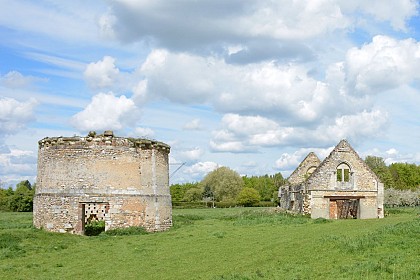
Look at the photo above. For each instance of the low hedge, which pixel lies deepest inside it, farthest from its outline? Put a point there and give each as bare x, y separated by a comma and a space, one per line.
217, 204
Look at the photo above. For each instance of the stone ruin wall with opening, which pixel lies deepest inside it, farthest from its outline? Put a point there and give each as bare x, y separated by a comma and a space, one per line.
123, 181
363, 183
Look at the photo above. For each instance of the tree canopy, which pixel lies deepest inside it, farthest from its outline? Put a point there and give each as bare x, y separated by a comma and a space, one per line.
19, 200
402, 176
224, 183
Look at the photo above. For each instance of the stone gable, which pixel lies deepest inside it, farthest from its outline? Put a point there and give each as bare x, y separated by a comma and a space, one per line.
342, 186
304, 170
360, 175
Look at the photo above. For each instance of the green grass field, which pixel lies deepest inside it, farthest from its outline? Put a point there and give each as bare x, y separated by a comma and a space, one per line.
235, 243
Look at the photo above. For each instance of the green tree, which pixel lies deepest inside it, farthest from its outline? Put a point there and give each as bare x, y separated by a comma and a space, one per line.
378, 166
266, 185
22, 199
193, 194
248, 197
178, 191
4, 200
406, 176
224, 183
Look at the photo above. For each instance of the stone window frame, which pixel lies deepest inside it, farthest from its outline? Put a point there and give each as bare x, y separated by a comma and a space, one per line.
344, 173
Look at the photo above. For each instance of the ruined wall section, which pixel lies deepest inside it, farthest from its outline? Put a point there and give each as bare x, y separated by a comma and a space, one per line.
300, 174
363, 184
126, 179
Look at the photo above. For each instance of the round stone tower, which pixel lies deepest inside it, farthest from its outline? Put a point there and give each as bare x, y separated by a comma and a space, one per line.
123, 181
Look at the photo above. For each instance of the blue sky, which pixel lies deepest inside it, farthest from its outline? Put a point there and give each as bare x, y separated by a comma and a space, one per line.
252, 85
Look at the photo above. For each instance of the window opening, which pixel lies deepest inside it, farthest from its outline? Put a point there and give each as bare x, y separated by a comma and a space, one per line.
343, 173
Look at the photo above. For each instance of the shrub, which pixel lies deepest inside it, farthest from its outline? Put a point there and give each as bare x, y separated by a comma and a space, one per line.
94, 228
248, 197
224, 204
266, 204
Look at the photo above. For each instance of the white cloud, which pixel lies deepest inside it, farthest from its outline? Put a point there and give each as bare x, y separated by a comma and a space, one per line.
14, 115
200, 169
289, 161
194, 124
383, 64
264, 88
396, 12
16, 163
15, 79
165, 23
249, 133
102, 74
392, 151
240, 133
194, 154
392, 155
106, 111
66, 21
144, 132
355, 127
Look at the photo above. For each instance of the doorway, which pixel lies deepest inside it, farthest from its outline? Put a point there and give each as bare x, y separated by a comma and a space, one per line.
92, 217
344, 208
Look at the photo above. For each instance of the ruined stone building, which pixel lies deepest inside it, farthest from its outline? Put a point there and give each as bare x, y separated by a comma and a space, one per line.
123, 181
341, 186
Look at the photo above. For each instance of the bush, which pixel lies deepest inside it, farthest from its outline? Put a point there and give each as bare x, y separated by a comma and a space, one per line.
224, 204
266, 204
126, 231
248, 197
94, 228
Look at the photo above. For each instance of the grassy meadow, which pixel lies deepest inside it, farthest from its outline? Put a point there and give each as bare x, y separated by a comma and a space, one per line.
234, 243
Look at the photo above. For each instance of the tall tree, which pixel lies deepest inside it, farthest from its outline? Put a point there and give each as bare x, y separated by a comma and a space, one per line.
224, 183
378, 166
406, 176
22, 198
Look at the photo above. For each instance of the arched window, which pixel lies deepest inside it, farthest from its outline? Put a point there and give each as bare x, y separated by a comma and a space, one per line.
343, 172
310, 170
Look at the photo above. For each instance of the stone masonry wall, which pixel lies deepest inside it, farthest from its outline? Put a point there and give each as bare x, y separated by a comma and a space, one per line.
300, 174
127, 179
363, 184
325, 177
318, 193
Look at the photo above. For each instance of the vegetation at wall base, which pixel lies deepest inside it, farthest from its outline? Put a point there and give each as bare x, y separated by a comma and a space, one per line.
94, 228
126, 231
221, 243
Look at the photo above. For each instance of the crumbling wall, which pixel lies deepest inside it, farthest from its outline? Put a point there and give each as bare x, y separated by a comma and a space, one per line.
323, 192
304, 170
128, 179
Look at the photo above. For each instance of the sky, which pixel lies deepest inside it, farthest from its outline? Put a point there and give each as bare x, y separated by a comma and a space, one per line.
251, 85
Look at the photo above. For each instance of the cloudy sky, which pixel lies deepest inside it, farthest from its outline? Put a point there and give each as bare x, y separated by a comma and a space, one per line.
252, 85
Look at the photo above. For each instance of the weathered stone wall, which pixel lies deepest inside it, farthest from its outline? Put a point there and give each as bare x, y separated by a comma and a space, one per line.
325, 178
305, 168
318, 194
128, 179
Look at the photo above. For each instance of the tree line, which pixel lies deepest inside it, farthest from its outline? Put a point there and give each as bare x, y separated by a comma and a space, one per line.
18, 200
226, 187
399, 176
